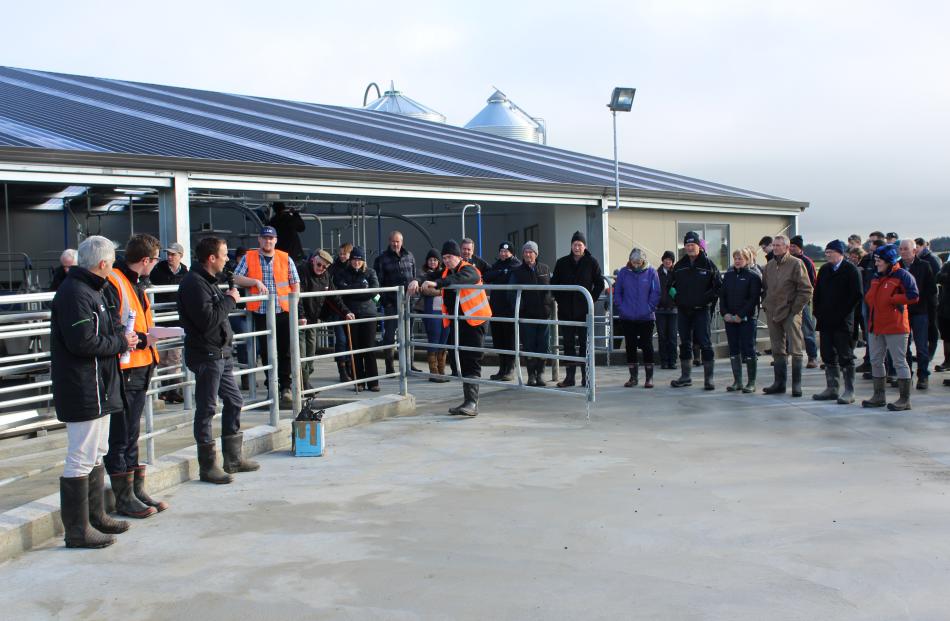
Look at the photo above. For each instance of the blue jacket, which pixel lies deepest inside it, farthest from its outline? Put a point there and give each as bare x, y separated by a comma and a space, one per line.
637, 294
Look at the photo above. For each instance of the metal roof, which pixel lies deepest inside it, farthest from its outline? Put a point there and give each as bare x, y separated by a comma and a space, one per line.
97, 115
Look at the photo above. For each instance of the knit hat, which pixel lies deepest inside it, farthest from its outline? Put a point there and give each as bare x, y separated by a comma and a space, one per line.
532, 246
797, 240
451, 247
668, 255
636, 255
691, 238
357, 253
892, 235
504, 246
837, 245
578, 236
888, 253
433, 254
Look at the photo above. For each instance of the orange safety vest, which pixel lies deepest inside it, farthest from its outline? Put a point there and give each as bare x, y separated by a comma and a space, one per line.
129, 300
281, 266
472, 302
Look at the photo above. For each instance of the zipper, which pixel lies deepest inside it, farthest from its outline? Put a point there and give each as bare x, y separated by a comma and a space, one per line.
95, 320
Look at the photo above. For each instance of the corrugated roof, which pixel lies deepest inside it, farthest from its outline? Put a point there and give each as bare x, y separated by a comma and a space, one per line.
77, 113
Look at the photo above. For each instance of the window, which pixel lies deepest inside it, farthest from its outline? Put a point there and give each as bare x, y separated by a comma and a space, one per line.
514, 238
716, 237
531, 233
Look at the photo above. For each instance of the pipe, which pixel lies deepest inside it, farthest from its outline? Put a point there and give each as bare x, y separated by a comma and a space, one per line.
379, 229
478, 210
6, 205
366, 94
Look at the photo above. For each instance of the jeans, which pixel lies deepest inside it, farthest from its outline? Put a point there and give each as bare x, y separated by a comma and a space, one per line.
920, 334
741, 337
694, 325
213, 379
435, 333
534, 338
808, 332
666, 336
896, 346
283, 347
308, 347
638, 335
239, 326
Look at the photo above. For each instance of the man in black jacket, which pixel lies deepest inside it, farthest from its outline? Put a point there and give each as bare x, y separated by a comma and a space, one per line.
85, 345
502, 333
396, 267
467, 245
66, 261
204, 310
920, 313
315, 276
534, 305
694, 287
578, 268
867, 270
171, 271
289, 226
838, 292
666, 313
924, 254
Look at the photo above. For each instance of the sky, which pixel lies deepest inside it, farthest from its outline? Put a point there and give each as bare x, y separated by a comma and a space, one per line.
844, 105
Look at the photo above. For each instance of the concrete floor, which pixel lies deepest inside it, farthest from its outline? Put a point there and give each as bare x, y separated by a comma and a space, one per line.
669, 504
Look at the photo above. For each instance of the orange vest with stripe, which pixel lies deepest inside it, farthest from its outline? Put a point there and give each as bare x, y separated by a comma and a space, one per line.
129, 300
472, 302
280, 264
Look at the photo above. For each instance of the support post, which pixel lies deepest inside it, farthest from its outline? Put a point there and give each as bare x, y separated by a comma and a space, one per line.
273, 389
149, 428
402, 343
174, 215
296, 385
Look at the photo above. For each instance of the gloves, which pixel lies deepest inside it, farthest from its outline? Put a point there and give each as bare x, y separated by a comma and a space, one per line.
673, 292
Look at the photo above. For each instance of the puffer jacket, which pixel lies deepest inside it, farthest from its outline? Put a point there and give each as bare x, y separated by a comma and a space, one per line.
349, 279
585, 272
740, 294
637, 293
394, 270
500, 274
943, 279
85, 345
534, 304
695, 284
321, 308
666, 305
787, 288
888, 298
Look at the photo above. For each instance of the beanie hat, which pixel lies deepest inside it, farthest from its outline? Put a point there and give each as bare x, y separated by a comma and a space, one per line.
451, 247
357, 253
668, 255
433, 254
888, 253
532, 246
691, 238
505, 246
837, 245
797, 240
578, 236
636, 255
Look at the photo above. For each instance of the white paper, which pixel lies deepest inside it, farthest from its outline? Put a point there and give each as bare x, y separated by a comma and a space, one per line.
160, 332
129, 329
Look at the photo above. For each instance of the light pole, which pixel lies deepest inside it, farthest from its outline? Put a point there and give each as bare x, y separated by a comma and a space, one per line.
621, 100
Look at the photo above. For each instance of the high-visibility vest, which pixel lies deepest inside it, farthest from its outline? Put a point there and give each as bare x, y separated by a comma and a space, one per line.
471, 301
129, 300
280, 263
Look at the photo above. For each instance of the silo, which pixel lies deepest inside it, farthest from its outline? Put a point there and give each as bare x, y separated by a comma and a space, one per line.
502, 117
395, 102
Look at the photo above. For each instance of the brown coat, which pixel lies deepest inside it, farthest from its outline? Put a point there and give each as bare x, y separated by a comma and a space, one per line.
787, 288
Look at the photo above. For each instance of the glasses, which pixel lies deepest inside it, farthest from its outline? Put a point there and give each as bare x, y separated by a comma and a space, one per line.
320, 266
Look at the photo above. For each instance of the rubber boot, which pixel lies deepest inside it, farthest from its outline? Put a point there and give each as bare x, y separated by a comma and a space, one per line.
832, 383
232, 454
209, 472
344, 372
945, 366
781, 377
532, 372
505, 367
736, 374
539, 374
878, 399
634, 376
98, 518
847, 397
923, 381
684, 379
708, 368
126, 503
470, 407
751, 370
569, 376
138, 488
903, 402
648, 371
797, 376
74, 509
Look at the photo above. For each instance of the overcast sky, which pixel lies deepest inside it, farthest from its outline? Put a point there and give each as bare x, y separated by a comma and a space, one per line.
841, 104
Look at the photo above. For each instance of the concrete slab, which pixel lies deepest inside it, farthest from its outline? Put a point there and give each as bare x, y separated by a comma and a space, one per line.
669, 504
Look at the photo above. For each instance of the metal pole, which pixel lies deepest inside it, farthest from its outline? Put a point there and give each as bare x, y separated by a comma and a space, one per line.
556, 363
518, 336
188, 390
616, 166
149, 428
131, 218
589, 355
455, 326
609, 328
402, 342
273, 391
479, 212
6, 204
250, 346
295, 383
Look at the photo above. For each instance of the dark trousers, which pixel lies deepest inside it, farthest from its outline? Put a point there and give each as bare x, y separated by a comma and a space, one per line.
503, 337
364, 335
390, 326
238, 326
124, 426
741, 338
469, 336
575, 344
933, 334
213, 379
920, 334
638, 335
283, 347
694, 325
534, 337
666, 336
837, 347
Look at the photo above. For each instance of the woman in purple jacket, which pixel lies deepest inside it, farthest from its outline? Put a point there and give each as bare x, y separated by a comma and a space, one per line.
636, 296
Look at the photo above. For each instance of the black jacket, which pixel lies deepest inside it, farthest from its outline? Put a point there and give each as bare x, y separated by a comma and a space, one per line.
162, 275
867, 269
500, 274
319, 308
360, 304
740, 293
203, 309
85, 344
289, 225
666, 305
59, 275
394, 270
480, 264
943, 279
696, 283
585, 272
534, 304
837, 295
926, 286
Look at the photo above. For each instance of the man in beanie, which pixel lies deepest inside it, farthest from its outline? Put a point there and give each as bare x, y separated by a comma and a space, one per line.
396, 267
473, 304
666, 313
315, 276
787, 291
920, 313
838, 292
924, 254
502, 333
578, 268
534, 305
797, 248
694, 287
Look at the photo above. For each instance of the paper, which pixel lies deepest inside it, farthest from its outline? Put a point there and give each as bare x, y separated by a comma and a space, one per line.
129, 329
159, 332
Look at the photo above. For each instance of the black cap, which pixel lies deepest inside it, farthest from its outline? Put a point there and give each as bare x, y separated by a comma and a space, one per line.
892, 234
668, 255
451, 247
357, 253
798, 241
578, 236
691, 238
433, 254
504, 246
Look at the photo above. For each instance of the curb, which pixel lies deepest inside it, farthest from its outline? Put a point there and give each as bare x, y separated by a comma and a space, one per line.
35, 523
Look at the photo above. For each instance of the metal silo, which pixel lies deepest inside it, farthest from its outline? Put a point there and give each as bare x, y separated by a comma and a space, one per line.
394, 102
502, 117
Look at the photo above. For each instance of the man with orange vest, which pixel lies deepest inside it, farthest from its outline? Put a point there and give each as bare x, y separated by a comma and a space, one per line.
268, 269
473, 303
126, 295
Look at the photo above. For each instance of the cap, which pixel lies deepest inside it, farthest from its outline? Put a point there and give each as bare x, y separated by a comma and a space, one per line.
578, 236
357, 253
691, 238
176, 248
837, 245
268, 231
797, 240
504, 246
532, 246
892, 235
888, 253
324, 256
668, 255
452, 247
